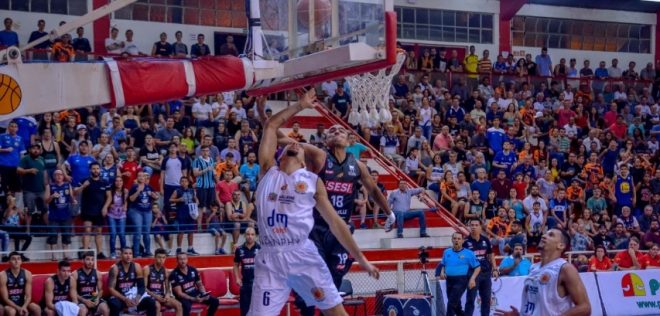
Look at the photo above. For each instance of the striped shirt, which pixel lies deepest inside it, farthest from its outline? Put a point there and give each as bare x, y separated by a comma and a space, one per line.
205, 180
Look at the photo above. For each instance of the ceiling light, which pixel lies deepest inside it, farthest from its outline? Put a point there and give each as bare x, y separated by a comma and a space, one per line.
652, 0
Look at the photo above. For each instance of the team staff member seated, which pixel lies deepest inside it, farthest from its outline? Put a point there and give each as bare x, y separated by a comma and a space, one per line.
456, 263
188, 287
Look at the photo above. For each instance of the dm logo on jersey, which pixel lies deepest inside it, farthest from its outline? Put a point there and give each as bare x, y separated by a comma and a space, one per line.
301, 187
278, 222
632, 285
318, 294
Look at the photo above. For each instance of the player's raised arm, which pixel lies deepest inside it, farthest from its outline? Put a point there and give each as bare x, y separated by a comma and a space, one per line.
269, 139
340, 230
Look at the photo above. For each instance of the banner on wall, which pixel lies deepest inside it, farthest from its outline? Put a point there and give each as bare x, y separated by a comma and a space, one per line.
630, 292
507, 291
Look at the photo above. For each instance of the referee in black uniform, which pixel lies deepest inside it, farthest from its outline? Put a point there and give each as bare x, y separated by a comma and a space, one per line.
480, 245
244, 261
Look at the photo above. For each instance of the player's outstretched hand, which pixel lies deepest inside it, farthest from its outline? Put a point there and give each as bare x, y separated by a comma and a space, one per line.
512, 312
308, 99
371, 269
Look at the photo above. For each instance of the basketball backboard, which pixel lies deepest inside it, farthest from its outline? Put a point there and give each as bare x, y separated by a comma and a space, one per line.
317, 40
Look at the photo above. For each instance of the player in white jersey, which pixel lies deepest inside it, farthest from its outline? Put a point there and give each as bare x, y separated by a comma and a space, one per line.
553, 286
286, 196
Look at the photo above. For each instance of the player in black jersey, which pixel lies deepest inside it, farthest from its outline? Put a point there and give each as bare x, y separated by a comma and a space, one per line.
126, 286
16, 288
188, 287
155, 277
87, 285
244, 268
343, 176
57, 291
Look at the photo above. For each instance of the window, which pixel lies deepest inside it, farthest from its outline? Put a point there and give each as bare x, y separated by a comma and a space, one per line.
444, 25
66, 7
580, 35
222, 13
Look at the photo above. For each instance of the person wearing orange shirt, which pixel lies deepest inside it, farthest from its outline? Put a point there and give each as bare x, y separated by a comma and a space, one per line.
593, 171
629, 260
600, 261
227, 165
575, 193
652, 259
295, 133
63, 50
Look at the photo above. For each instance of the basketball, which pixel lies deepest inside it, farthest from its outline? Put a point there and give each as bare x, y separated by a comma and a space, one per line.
10, 94
322, 12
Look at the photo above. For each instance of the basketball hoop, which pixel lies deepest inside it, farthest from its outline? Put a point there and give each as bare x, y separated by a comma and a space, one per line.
370, 91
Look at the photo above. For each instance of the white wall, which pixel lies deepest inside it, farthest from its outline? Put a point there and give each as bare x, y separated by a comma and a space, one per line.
26, 22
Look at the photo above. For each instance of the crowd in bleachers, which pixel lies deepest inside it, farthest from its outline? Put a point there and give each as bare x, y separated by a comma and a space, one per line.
523, 145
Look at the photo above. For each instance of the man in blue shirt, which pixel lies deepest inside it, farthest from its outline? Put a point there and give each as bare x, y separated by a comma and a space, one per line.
515, 264
11, 148
505, 159
481, 184
250, 170
7, 36
544, 63
399, 201
77, 166
495, 137
457, 263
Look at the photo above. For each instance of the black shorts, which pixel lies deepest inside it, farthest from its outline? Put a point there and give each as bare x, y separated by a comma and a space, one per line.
333, 253
10, 180
96, 220
206, 197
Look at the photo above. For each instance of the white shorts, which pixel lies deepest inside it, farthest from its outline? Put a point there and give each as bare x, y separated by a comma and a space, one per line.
301, 269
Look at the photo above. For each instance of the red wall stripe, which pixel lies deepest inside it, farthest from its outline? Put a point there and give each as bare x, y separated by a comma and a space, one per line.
101, 28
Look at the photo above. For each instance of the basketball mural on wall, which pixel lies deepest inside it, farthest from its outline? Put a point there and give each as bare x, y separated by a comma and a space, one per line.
10, 94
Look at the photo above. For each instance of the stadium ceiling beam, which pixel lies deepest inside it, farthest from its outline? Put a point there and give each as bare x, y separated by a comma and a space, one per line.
508, 9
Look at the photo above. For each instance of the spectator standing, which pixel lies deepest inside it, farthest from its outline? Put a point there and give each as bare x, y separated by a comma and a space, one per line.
229, 47
515, 264
543, 64
188, 287
140, 198
482, 249
652, 235
457, 263
200, 49
112, 44
162, 48
81, 45
32, 170
244, 268
471, 62
11, 149
184, 199
59, 196
203, 170
93, 198
130, 47
41, 54
173, 169
12, 224
354, 147
399, 202
179, 48
250, 171
116, 206
7, 36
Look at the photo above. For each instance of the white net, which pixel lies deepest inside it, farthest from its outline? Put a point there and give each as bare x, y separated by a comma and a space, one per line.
370, 93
